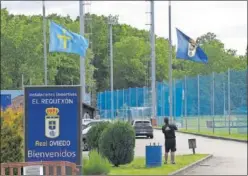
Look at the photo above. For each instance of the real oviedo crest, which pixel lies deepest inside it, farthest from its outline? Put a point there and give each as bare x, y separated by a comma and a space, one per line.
52, 123
192, 48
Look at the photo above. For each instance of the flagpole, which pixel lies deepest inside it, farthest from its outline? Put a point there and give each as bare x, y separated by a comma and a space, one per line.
170, 66
45, 46
82, 77
82, 60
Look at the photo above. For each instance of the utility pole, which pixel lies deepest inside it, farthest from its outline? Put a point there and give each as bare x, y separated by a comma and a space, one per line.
153, 63
112, 20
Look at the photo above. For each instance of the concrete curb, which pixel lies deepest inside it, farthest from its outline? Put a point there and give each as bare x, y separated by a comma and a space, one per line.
180, 171
208, 136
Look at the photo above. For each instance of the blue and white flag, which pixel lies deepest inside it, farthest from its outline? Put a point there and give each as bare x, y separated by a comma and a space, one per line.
187, 49
63, 40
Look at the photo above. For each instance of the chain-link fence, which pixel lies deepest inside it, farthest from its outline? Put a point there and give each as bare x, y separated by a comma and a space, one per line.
205, 103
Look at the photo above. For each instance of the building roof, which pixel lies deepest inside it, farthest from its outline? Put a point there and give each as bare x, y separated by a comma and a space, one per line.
89, 106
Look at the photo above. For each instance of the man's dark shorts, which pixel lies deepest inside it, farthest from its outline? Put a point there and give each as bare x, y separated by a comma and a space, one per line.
170, 145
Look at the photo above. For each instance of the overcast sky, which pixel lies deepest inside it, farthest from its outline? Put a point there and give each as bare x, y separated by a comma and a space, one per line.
227, 19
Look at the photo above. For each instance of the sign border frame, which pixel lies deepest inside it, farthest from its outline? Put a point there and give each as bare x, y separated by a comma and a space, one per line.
79, 118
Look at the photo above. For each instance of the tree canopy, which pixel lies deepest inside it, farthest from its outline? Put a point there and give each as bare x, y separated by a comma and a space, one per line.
22, 53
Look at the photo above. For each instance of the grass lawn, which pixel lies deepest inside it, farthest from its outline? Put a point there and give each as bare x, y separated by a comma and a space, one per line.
218, 134
137, 167
192, 126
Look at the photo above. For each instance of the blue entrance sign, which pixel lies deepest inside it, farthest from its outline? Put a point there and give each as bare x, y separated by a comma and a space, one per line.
52, 124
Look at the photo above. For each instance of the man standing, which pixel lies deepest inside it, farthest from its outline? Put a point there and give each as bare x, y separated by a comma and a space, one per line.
170, 140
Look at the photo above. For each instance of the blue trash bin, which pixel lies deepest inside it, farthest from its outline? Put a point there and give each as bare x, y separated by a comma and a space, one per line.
153, 155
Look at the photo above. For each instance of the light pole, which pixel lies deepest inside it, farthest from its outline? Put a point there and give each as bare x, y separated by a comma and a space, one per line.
153, 63
112, 20
170, 67
44, 38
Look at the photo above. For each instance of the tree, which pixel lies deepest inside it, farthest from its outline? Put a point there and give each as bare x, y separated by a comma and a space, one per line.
206, 38
130, 63
22, 53
231, 52
11, 145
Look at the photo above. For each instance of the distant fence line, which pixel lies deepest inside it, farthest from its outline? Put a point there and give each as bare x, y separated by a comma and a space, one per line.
203, 95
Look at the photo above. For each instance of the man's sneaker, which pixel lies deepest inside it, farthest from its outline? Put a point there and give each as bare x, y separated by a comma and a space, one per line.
173, 162
165, 162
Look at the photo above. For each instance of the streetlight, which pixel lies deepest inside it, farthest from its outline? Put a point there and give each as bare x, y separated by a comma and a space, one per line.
112, 20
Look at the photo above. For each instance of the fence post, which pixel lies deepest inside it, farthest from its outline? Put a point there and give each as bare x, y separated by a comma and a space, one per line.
198, 102
175, 98
144, 96
129, 102
229, 102
224, 99
185, 101
22, 82
105, 105
129, 97
213, 100
117, 103
182, 108
162, 98
136, 95
144, 103
100, 104
161, 94
123, 110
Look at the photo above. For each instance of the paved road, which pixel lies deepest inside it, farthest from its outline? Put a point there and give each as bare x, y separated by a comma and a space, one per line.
229, 157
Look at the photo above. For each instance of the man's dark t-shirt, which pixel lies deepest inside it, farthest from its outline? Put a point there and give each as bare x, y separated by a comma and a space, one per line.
169, 131
170, 137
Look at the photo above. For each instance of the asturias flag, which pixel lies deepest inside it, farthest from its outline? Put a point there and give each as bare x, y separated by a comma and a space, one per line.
63, 40
187, 49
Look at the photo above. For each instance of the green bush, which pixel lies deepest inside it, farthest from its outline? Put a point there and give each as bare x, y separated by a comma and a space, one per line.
117, 143
96, 165
11, 145
94, 135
